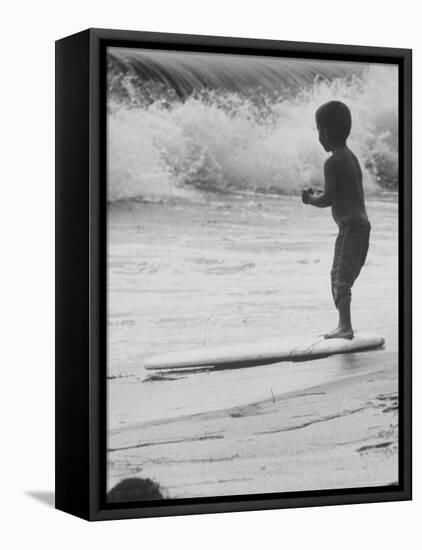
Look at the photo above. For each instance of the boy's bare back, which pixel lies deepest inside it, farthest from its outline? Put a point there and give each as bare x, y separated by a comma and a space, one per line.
348, 200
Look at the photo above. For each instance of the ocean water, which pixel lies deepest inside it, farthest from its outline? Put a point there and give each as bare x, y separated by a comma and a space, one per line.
182, 123
242, 269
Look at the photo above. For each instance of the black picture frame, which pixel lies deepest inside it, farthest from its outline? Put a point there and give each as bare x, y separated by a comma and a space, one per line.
81, 274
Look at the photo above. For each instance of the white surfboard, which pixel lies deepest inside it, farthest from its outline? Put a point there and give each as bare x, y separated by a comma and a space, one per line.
264, 352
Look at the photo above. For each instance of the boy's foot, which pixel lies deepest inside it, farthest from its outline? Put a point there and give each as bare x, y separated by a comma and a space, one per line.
340, 333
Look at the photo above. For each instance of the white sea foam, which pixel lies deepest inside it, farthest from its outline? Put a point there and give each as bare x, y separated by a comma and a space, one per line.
229, 141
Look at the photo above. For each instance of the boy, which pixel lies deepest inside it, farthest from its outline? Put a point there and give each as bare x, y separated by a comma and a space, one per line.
344, 193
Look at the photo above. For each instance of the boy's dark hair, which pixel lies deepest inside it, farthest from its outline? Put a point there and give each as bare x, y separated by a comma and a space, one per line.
335, 116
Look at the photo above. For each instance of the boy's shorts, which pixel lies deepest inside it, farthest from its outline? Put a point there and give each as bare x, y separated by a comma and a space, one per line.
350, 253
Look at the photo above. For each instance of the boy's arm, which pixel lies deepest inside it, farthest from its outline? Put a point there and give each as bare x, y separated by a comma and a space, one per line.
327, 197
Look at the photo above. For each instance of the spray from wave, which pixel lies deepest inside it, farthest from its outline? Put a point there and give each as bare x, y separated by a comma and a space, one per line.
179, 123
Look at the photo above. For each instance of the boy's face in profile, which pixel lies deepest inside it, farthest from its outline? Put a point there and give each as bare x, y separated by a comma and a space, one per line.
323, 138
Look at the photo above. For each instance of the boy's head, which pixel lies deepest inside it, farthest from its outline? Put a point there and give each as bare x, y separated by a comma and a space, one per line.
334, 122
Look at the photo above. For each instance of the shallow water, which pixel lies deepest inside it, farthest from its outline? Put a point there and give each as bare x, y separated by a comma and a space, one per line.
233, 269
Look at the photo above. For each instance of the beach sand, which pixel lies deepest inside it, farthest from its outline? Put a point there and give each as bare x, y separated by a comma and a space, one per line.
183, 275
340, 434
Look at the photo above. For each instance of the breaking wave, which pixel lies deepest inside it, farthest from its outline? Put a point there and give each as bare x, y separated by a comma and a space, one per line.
181, 123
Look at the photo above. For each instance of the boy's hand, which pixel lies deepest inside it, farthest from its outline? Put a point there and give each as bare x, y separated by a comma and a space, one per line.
305, 194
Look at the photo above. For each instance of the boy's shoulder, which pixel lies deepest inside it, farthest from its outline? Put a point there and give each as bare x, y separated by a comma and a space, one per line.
330, 165
340, 158
342, 155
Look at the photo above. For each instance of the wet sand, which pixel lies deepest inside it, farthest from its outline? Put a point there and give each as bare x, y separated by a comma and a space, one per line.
187, 275
340, 434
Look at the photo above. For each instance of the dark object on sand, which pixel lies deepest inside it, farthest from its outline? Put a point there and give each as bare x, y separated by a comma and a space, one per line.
133, 489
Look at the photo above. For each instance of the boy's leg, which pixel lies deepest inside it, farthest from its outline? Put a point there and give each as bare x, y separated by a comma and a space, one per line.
349, 256
344, 329
341, 287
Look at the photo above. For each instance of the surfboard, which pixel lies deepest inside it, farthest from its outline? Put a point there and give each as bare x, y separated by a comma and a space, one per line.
263, 352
